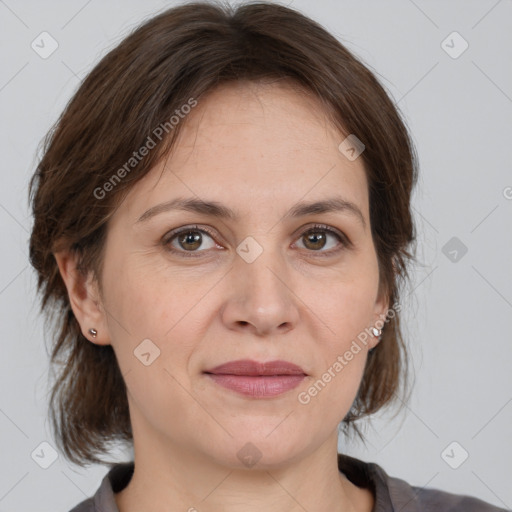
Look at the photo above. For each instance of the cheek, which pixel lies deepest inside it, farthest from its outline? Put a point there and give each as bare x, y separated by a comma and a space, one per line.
347, 306
149, 300
148, 304
144, 304
330, 393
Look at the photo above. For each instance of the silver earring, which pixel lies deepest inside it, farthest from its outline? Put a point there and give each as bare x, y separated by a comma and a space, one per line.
376, 332
93, 332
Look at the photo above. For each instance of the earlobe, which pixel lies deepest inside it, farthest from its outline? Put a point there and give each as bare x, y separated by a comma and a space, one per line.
380, 316
381, 305
83, 298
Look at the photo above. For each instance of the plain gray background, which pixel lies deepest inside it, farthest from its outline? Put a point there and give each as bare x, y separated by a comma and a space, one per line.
457, 313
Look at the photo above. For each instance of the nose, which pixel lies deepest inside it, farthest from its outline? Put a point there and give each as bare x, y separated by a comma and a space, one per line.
261, 299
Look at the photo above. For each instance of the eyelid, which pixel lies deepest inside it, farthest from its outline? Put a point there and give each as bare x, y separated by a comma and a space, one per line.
166, 240
343, 239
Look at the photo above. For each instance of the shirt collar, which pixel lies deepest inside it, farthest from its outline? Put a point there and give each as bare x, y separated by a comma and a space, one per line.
391, 494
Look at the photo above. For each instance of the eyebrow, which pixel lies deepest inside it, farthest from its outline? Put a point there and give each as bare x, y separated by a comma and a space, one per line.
216, 209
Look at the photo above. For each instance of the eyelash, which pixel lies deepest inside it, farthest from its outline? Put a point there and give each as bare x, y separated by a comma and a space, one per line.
344, 241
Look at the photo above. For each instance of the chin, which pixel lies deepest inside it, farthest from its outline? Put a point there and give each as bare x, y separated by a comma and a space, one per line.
260, 447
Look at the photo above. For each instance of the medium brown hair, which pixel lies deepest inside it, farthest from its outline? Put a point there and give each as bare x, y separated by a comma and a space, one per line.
182, 53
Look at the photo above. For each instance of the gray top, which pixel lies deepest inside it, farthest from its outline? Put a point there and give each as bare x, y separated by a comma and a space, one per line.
391, 494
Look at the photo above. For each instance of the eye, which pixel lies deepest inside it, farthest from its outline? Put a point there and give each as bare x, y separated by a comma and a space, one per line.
317, 238
188, 240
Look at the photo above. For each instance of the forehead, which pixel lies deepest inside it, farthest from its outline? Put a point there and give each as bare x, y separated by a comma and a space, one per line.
251, 113
246, 144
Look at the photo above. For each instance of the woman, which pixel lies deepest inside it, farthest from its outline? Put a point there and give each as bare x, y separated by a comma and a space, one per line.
223, 221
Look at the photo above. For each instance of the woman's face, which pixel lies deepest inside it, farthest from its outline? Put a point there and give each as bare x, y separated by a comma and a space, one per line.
248, 287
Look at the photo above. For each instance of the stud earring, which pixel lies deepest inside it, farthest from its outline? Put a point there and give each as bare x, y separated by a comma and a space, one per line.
376, 332
93, 332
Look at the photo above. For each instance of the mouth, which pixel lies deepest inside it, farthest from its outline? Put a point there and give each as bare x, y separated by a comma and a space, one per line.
255, 379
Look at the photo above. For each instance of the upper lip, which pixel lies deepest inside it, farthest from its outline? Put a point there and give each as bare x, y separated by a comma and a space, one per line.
254, 368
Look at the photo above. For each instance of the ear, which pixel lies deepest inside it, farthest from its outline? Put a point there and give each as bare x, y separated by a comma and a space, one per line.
84, 298
380, 312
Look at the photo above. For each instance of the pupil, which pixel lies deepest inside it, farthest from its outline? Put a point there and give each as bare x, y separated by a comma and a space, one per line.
315, 238
190, 238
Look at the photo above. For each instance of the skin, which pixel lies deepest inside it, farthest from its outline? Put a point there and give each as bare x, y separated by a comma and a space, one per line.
257, 149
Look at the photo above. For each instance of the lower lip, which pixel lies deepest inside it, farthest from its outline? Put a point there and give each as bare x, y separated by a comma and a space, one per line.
258, 386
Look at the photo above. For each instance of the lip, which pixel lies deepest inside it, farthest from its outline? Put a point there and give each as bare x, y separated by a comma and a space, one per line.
255, 368
256, 379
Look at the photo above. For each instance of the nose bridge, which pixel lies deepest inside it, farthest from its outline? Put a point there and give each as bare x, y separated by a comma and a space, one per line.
260, 294
257, 267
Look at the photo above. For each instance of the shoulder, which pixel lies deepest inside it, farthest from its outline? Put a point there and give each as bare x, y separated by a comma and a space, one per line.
435, 499
84, 506
395, 494
419, 499
104, 500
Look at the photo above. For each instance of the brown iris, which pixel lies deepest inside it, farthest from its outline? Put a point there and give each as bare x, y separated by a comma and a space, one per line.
317, 239
190, 240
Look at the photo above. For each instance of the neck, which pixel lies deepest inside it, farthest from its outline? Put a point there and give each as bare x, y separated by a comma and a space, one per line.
177, 479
